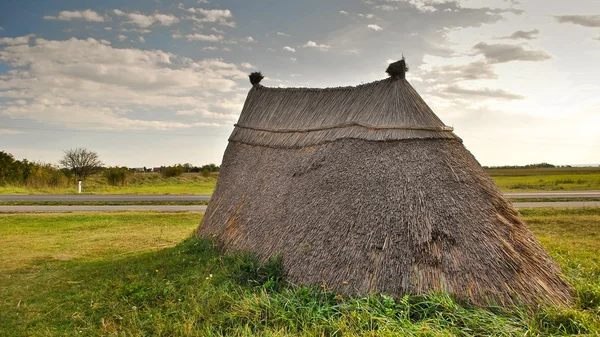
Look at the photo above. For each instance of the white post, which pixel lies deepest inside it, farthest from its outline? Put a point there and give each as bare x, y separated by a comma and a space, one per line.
79, 187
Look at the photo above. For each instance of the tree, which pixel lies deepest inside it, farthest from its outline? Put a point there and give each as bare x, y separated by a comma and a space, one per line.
80, 162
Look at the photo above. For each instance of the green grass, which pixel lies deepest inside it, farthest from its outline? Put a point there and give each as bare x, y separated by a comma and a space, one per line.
138, 183
550, 182
509, 180
101, 203
139, 274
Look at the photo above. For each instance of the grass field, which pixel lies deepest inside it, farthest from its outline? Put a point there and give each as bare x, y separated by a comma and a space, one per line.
509, 180
139, 274
139, 183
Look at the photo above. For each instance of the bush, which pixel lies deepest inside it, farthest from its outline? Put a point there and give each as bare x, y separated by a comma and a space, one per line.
116, 176
171, 171
44, 175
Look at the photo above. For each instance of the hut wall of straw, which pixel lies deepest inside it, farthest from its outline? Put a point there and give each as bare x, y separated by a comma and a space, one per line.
363, 189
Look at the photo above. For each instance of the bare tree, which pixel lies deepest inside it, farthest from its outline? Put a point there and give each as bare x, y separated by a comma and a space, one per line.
80, 162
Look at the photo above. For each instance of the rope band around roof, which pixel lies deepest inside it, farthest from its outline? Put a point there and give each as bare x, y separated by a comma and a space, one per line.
351, 124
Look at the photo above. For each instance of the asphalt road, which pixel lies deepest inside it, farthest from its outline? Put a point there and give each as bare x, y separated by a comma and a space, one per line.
202, 208
206, 197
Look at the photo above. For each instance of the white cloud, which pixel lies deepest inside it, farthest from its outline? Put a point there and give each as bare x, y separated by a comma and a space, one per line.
145, 21
208, 114
247, 65
141, 39
221, 16
283, 34
16, 40
321, 47
386, 8
202, 37
86, 15
86, 81
288, 48
250, 39
9, 132
122, 37
107, 28
293, 59
368, 16
375, 27
1, 28
343, 12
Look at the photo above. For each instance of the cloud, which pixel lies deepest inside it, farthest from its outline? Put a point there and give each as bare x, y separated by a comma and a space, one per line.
1, 28
79, 81
200, 37
219, 16
288, 48
86, 15
250, 39
478, 70
343, 13
481, 92
520, 34
247, 65
283, 34
375, 27
208, 114
16, 40
141, 39
145, 21
500, 53
582, 20
433, 6
9, 132
321, 47
386, 8
368, 16
122, 37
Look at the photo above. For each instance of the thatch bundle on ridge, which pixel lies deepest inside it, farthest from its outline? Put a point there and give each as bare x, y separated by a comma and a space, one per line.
364, 189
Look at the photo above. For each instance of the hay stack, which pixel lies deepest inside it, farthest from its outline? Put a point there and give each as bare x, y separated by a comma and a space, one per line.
364, 189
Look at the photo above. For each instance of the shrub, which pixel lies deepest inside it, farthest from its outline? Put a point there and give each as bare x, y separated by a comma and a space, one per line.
171, 171
44, 175
116, 176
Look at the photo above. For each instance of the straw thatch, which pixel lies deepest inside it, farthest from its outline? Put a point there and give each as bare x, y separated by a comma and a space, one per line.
364, 189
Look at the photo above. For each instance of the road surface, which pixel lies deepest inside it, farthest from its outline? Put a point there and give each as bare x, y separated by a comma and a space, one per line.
202, 208
206, 197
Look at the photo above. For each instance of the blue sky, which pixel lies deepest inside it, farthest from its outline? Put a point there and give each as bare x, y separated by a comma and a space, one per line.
150, 83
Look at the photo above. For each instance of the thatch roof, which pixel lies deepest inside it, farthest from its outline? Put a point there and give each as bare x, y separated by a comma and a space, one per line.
389, 109
364, 189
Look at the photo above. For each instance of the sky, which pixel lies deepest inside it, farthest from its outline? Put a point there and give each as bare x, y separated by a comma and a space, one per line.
151, 83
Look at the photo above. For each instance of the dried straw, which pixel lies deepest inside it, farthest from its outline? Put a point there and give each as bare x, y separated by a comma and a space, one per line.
370, 205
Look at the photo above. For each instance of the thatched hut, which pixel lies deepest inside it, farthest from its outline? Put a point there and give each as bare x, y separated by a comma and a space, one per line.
364, 189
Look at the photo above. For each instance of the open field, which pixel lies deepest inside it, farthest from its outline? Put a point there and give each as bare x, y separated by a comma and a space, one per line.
138, 183
139, 274
547, 179
509, 180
